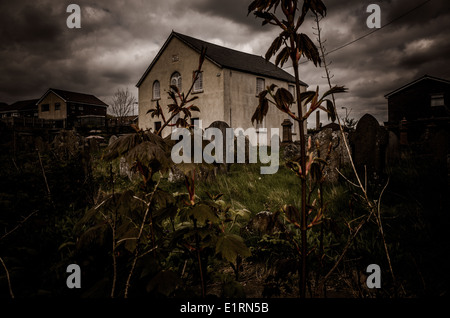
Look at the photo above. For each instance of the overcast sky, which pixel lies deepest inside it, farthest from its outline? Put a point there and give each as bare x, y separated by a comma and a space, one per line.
118, 40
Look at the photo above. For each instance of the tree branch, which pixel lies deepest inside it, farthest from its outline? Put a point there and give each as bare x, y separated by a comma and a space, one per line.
7, 277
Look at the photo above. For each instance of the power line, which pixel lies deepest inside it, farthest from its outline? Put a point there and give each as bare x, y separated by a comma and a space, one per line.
375, 30
383, 26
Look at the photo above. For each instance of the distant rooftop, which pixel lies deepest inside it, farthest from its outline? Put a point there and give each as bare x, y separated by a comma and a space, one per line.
425, 77
75, 97
19, 105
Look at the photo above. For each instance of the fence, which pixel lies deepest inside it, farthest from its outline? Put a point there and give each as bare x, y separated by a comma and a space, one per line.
30, 122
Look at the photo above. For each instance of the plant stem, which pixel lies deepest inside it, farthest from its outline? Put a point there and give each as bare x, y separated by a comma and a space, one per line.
349, 242
19, 225
303, 227
380, 226
136, 253
370, 204
199, 259
43, 173
7, 277
113, 227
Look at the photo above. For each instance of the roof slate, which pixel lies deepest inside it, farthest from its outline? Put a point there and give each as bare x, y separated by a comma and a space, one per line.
423, 78
73, 97
20, 106
231, 59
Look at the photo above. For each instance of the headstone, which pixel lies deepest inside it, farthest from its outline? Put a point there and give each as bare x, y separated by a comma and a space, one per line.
392, 150
222, 126
338, 155
287, 131
125, 170
112, 139
369, 142
403, 132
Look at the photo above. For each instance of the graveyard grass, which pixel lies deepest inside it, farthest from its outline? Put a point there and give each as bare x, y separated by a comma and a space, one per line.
38, 252
412, 214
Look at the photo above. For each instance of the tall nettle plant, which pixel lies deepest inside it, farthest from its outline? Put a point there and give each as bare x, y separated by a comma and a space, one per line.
292, 45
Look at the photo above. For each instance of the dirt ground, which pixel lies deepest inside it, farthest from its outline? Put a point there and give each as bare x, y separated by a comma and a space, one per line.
258, 282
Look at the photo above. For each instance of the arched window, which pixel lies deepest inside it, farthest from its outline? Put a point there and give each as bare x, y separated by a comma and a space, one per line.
198, 84
156, 90
175, 80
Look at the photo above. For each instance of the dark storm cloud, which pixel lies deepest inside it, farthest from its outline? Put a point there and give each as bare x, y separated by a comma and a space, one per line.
119, 39
235, 10
27, 24
413, 45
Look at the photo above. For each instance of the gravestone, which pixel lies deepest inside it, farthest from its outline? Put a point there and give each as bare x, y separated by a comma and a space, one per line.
392, 150
287, 131
125, 170
369, 142
338, 155
112, 140
222, 126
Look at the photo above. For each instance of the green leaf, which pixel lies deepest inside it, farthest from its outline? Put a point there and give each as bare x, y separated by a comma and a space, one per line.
282, 57
175, 89
308, 49
203, 213
192, 99
284, 99
331, 112
214, 197
273, 49
229, 246
181, 122
335, 90
261, 111
194, 108
272, 87
126, 143
149, 154
317, 6
307, 96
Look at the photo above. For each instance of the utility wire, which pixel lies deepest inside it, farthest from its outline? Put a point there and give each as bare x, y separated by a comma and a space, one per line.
373, 31
383, 26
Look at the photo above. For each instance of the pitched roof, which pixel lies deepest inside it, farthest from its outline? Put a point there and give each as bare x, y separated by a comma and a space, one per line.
228, 58
73, 97
22, 105
425, 77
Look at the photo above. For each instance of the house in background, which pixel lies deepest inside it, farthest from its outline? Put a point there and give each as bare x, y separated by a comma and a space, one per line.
227, 88
71, 109
24, 108
419, 116
418, 106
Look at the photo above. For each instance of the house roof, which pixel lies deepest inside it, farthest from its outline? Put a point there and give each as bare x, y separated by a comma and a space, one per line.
228, 58
423, 78
22, 105
73, 97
